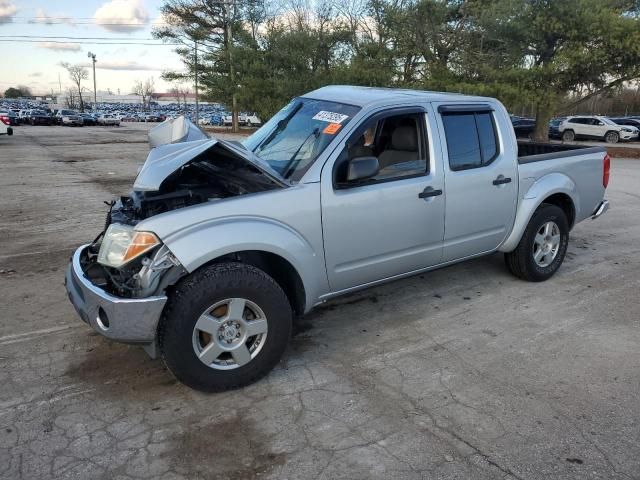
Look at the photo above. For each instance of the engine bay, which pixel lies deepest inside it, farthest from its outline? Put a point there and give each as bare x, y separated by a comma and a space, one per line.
213, 175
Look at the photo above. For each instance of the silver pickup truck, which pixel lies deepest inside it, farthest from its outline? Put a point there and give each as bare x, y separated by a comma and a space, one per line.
221, 243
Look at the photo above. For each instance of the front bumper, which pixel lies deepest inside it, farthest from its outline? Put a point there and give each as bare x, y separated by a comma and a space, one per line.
602, 208
128, 320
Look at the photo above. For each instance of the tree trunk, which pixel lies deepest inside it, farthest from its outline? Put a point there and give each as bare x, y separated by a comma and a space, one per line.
81, 101
544, 113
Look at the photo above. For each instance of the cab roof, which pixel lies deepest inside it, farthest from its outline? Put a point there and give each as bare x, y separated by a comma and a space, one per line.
365, 96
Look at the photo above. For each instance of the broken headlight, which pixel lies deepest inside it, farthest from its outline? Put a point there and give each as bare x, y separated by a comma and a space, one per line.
121, 244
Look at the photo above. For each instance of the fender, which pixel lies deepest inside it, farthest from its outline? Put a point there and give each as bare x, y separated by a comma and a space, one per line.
200, 243
542, 189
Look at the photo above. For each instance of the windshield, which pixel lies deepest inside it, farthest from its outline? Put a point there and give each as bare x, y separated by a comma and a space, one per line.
295, 136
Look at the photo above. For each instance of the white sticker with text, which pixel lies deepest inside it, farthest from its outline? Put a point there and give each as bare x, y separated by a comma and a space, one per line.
330, 117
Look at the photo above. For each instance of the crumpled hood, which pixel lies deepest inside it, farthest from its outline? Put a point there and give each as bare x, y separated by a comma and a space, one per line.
175, 130
166, 158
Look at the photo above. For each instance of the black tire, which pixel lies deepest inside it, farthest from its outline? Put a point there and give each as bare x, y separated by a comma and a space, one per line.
568, 136
612, 137
521, 262
199, 291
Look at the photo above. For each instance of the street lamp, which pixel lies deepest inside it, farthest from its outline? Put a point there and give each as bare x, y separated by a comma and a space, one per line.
92, 56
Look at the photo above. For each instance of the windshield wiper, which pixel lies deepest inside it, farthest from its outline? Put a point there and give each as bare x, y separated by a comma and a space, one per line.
293, 163
282, 124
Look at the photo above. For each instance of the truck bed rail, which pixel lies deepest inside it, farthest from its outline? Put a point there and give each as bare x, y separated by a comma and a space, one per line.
529, 152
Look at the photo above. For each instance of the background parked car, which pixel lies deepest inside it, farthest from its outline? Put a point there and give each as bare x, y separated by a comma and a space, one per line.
554, 127
11, 116
39, 117
69, 118
252, 120
597, 128
108, 119
5, 126
631, 122
524, 127
88, 119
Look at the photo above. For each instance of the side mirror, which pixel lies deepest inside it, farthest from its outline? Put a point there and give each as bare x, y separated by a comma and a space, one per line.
362, 168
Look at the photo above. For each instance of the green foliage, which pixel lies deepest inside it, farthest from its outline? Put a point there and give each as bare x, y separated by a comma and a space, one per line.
17, 92
525, 52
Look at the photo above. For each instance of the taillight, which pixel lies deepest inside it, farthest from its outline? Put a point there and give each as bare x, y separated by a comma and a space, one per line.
606, 170
4, 120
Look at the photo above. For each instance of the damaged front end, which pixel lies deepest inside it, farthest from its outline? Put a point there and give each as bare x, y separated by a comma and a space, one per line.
174, 176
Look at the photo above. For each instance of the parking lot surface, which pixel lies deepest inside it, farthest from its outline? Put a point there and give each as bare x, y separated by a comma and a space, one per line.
465, 372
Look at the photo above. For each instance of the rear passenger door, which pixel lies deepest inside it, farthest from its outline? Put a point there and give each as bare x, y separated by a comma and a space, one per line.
481, 179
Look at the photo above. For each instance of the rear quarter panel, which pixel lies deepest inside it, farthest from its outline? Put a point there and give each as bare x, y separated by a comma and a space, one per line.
579, 176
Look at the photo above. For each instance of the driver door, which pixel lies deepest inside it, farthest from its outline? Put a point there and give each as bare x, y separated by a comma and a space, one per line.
384, 226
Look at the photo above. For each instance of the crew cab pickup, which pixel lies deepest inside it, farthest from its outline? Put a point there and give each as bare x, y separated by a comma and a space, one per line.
220, 243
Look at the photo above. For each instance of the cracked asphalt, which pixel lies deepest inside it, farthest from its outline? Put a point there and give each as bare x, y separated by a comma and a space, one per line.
462, 373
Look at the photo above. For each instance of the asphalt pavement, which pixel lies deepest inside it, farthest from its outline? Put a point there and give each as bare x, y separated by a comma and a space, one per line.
462, 373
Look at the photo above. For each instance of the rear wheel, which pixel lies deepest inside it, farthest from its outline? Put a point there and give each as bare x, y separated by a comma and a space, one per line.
225, 326
612, 137
568, 136
543, 246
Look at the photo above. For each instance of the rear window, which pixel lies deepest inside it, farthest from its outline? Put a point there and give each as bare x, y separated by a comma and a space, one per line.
471, 139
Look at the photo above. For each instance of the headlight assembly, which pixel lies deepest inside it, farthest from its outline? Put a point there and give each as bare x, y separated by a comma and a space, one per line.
122, 243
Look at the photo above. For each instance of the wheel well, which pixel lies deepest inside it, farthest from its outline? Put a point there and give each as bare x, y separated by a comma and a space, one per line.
277, 268
563, 201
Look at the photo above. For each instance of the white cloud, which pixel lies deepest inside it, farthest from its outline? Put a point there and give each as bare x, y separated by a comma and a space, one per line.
7, 11
46, 19
69, 47
125, 65
122, 15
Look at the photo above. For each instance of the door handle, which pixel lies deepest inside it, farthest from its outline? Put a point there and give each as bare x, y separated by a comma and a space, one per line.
429, 192
501, 180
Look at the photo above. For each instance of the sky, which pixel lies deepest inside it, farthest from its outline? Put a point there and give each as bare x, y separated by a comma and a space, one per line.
31, 57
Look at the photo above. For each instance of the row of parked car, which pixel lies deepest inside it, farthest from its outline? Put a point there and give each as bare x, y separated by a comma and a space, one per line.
584, 127
225, 119
59, 117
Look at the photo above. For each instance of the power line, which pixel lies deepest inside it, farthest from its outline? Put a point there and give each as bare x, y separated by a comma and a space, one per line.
79, 38
90, 43
99, 24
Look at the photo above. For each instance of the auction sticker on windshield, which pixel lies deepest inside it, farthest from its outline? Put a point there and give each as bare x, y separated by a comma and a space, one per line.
332, 128
330, 117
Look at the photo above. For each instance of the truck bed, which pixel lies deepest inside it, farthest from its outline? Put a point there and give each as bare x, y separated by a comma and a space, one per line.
529, 152
581, 166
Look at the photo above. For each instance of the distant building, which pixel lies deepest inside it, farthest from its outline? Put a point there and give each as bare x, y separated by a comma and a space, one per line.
60, 100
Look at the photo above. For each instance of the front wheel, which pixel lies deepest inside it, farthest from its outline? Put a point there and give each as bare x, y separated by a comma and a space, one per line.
542, 247
612, 137
568, 136
225, 326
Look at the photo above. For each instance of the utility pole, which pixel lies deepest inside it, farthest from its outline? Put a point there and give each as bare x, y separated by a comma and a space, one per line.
92, 56
196, 77
232, 73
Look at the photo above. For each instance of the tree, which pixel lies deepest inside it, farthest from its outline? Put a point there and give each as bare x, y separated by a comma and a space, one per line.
71, 99
210, 26
551, 50
175, 93
77, 74
17, 92
537, 56
145, 89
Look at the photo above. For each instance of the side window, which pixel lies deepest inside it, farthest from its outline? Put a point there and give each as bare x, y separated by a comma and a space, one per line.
397, 141
471, 139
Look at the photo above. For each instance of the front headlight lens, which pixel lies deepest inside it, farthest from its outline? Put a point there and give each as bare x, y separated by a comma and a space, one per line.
627, 130
122, 243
